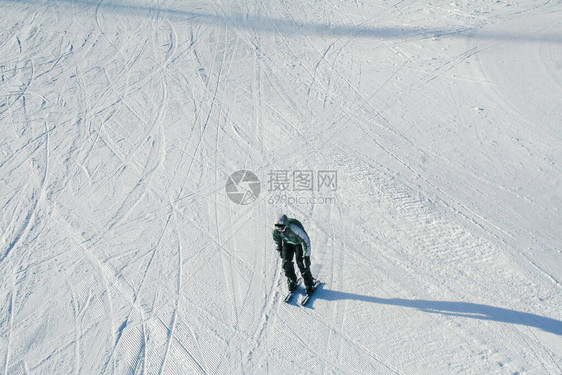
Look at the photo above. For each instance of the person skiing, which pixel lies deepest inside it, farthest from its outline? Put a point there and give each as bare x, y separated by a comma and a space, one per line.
292, 241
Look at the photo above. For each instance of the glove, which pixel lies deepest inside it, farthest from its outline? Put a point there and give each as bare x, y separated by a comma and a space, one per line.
279, 251
307, 262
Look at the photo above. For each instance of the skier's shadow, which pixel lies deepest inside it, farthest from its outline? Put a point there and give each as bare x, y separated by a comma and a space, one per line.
460, 309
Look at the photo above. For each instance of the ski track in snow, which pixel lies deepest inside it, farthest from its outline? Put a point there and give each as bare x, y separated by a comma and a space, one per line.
121, 253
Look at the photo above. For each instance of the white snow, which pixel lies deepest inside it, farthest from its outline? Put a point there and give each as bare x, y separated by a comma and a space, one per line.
440, 248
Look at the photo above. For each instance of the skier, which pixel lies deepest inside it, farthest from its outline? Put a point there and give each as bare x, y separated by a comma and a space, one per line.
292, 240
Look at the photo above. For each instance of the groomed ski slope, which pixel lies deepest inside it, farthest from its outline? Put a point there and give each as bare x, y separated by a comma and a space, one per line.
440, 246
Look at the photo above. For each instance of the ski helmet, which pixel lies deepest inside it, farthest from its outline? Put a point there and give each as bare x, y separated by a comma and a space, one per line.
281, 223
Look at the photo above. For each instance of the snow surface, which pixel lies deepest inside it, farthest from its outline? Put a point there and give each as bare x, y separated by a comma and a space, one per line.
440, 249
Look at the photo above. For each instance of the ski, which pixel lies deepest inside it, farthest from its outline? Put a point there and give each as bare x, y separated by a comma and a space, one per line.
290, 294
306, 298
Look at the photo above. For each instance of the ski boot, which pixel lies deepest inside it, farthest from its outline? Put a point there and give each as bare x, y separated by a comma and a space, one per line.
292, 285
310, 288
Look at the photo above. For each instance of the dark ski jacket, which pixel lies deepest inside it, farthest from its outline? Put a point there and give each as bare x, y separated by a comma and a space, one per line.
294, 234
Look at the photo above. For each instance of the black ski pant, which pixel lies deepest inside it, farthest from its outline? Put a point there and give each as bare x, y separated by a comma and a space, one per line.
288, 252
